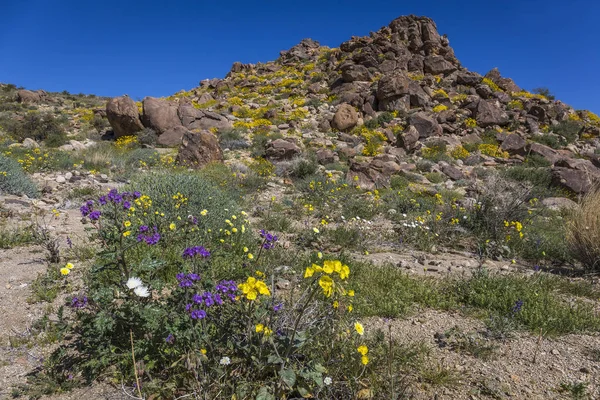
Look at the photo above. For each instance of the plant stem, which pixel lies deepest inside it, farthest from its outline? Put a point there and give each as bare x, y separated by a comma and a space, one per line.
137, 380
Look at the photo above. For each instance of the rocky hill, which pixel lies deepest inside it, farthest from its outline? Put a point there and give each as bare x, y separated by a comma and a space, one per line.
379, 104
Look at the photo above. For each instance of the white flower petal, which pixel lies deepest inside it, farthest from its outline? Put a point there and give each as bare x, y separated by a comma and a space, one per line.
141, 291
133, 282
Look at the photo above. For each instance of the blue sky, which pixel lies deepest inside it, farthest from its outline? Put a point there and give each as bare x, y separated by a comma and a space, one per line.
156, 48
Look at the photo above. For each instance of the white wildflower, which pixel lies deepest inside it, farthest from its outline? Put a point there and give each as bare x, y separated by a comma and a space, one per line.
141, 291
225, 361
133, 282
327, 380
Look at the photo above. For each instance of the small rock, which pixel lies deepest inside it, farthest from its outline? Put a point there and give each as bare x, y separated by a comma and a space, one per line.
60, 179
555, 352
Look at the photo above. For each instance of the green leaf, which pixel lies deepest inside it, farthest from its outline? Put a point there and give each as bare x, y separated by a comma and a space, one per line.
274, 359
289, 377
263, 394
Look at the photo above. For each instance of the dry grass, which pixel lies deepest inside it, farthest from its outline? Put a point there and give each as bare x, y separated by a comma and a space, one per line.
583, 231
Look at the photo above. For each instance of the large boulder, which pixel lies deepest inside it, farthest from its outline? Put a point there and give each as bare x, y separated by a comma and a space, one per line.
578, 181
438, 65
160, 115
192, 118
198, 149
27, 96
487, 114
353, 72
514, 144
123, 116
426, 125
391, 87
281, 149
172, 137
409, 138
345, 117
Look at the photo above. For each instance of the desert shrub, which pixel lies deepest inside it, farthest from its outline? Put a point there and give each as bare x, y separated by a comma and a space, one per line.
435, 177
435, 152
380, 120
260, 140
303, 167
147, 136
232, 139
39, 127
13, 180
583, 232
141, 157
544, 91
568, 130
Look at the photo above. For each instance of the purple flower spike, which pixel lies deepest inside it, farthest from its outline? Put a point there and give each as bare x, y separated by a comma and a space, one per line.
170, 339
95, 215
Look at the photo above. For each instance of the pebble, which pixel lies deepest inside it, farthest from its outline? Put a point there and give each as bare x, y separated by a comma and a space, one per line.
555, 352
60, 179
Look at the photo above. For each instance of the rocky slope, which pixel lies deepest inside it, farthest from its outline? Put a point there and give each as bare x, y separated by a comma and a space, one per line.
379, 103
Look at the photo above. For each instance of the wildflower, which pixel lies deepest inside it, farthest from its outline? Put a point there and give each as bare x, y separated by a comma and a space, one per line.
69, 266
198, 314
327, 381
172, 226
327, 285
191, 252
336, 304
359, 328
351, 293
141, 291
319, 255
127, 224
65, 271
225, 361
203, 212
364, 360
187, 280
69, 242
170, 339
203, 351
79, 302
133, 282
245, 249
363, 350
250, 256
259, 328
126, 233
315, 230
350, 308
517, 307
269, 239
228, 288
94, 215
253, 287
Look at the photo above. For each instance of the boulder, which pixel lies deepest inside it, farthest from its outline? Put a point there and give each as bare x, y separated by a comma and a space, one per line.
325, 156
487, 114
27, 96
192, 118
281, 149
353, 72
160, 115
172, 137
438, 65
452, 172
559, 203
514, 144
345, 117
391, 87
409, 138
123, 116
468, 78
544, 151
426, 125
578, 181
198, 149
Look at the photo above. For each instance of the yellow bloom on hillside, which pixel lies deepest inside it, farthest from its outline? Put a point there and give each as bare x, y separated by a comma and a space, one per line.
127, 224
253, 287
203, 212
327, 285
364, 360
360, 329
363, 350
65, 271
69, 266
172, 226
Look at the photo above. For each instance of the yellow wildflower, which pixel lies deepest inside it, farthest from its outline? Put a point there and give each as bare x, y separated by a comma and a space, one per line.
65, 271
363, 350
326, 284
360, 329
172, 226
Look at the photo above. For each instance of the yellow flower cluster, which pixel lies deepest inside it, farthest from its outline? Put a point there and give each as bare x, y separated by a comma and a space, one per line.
440, 108
126, 142
440, 93
491, 84
459, 153
260, 328
252, 124
363, 351
459, 98
329, 267
66, 269
253, 287
470, 123
35, 160
180, 200
515, 104
518, 226
492, 150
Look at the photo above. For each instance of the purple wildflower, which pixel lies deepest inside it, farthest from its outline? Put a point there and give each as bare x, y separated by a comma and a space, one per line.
137, 195
191, 252
198, 314
170, 339
95, 215
102, 200
69, 242
517, 307
227, 288
85, 210
144, 228
126, 205
197, 299
277, 307
79, 302
152, 240
269, 241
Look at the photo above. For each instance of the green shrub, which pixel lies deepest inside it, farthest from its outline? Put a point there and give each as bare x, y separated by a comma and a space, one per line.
39, 127
583, 232
380, 120
569, 130
13, 180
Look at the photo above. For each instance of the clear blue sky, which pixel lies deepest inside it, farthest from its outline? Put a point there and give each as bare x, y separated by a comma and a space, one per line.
155, 48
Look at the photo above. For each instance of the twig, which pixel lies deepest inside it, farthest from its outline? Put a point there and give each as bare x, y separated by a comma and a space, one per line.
127, 393
537, 347
137, 381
